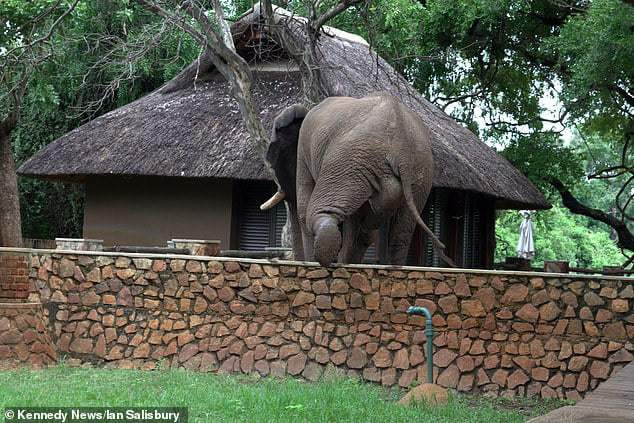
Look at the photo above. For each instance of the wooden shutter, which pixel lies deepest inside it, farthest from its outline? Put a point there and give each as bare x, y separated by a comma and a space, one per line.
418, 247
467, 233
279, 222
473, 220
258, 229
476, 237
371, 255
472, 235
436, 209
253, 222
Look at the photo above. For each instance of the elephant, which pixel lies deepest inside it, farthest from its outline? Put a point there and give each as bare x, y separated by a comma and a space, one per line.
346, 167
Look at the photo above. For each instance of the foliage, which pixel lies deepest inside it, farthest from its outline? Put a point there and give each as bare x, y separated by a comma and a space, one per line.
596, 53
210, 397
559, 235
49, 209
107, 55
542, 156
23, 25
498, 59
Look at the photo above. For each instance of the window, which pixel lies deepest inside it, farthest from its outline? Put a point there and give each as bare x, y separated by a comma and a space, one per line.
258, 229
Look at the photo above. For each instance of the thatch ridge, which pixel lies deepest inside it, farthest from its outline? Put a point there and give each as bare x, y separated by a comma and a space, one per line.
187, 129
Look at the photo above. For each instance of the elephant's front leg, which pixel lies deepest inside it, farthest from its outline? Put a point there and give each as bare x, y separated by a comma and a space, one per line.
305, 188
296, 232
336, 234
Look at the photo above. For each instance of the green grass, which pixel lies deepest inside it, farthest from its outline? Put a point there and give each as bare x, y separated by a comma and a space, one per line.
218, 398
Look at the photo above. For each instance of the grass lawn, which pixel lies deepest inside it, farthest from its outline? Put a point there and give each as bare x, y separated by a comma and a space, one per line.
219, 398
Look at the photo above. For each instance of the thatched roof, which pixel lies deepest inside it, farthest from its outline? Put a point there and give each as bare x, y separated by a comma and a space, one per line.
188, 129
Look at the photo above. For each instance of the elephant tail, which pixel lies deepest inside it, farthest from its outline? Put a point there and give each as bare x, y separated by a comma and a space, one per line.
406, 181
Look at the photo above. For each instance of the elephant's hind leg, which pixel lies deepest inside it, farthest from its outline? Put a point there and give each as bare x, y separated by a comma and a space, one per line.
305, 187
364, 240
400, 235
356, 241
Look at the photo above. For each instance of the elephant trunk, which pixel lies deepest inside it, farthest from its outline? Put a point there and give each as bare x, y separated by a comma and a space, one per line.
327, 239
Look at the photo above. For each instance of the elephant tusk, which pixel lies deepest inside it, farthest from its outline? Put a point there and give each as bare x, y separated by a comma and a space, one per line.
273, 201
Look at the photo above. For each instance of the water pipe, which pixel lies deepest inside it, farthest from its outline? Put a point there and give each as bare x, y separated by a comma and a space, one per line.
429, 332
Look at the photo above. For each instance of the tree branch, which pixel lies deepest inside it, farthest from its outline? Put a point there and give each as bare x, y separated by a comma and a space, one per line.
224, 26
559, 120
50, 32
175, 19
332, 12
601, 174
226, 60
622, 92
625, 237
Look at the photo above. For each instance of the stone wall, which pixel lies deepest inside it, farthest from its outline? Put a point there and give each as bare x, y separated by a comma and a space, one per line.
497, 333
24, 336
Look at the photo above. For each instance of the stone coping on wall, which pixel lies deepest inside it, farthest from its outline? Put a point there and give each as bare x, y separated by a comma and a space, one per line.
11, 250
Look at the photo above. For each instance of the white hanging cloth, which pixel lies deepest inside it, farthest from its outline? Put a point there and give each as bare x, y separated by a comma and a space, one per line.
525, 246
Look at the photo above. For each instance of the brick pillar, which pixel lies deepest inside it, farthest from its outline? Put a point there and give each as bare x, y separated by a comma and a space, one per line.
14, 277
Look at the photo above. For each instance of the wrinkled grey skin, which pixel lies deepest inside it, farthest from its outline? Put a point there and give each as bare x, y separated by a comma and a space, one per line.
348, 166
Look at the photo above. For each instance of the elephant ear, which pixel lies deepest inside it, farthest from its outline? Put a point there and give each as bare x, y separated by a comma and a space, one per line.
282, 152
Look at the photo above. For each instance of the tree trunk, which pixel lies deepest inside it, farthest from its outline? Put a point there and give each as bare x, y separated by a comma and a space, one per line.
10, 225
240, 80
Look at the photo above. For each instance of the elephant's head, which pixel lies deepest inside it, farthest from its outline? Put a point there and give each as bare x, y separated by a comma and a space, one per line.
282, 156
282, 153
